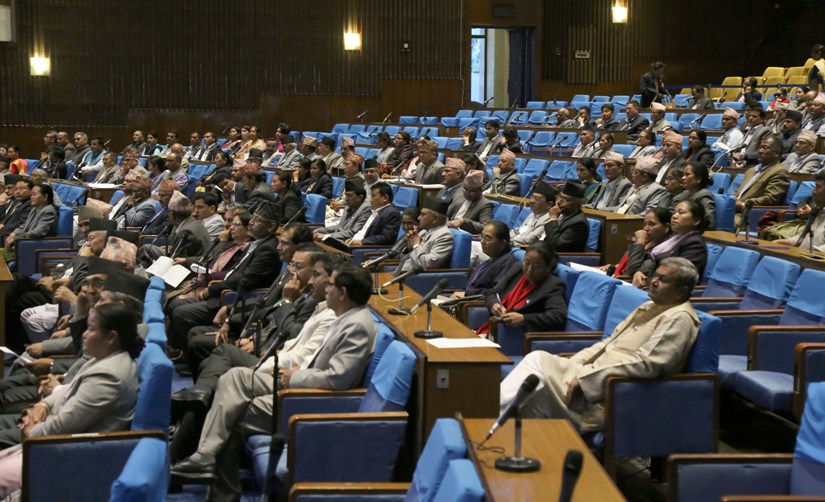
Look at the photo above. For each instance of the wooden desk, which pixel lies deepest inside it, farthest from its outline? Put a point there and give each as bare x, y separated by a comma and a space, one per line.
103, 194
448, 380
790, 253
547, 441
5, 276
615, 228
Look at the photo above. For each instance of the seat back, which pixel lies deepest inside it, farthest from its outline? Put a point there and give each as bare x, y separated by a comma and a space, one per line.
808, 470
589, 302
534, 167
558, 170
445, 443
65, 221
537, 117
383, 339
522, 215
390, 385
145, 477
724, 212
625, 300
506, 213
719, 181
624, 149
525, 183
26, 263
460, 484
337, 186
316, 208
712, 121
771, 284
594, 231
569, 276
155, 372
804, 305
735, 183
704, 355
714, 251
732, 272
71, 195
405, 197
461, 249
803, 191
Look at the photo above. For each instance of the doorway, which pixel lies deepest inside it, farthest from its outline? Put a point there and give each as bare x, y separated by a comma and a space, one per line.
501, 66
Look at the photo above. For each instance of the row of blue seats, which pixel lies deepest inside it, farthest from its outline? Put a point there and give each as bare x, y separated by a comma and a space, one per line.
124, 466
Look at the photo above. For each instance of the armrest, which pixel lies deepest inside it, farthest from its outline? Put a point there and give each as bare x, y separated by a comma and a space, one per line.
312, 438
716, 299
687, 474
803, 356
228, 296
787, 214
349, 490
462, 309
303, 401
560, 342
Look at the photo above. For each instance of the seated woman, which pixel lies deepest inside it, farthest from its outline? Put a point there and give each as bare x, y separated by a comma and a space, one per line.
676, 193
288, 201
698, 150
228, 251
254, 141
586, 170
686, 225
401, 155
645, 145
301, 175
696, 180
234, 142
495, 243
321, 182
385, 148
157, 172
605, 145
42, 219
655, 230
528, 294
100, 398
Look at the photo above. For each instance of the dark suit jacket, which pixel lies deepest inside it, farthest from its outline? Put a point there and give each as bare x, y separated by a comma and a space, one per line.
190, 238
703, 156
157, 223
288, 206
544, 309
270, 298
491, 276
384, 229
289, 318
257, 269
478, 214
569, 236
692, 248
257, 197
323, 186
634, 127
17, 217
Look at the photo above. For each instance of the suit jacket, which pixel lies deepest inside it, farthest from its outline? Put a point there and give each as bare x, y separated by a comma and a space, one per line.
159, 221
257, 197
40, 223
769, 189
350, 223
623, 185
17, 216
210, 153
808, 164
633, 127
190, 238
544, 309
322, 186
100, 398
703, 103
569, 235
491, 143
753, 145
333, 161
669, 201
478, 214
509, 184
435, 251
288, 206
288, 318
706, 199
384, 228
647, 199
268, 301
647, 89
703, 156
255, 270
610, 124
491, 275
340, 361
141, 214
429, 175
524, 236
691, 248
289, 160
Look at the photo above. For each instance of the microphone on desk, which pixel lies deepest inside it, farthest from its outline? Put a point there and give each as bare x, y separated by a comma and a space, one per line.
488, 100
363, 114
528, 386
413, 271
277, 342
387, 118
456, 301
443, 283
698, 119
570, 474
392, 253
808, 226
294, 216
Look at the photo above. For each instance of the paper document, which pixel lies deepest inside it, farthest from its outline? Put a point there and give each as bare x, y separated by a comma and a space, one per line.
172, 274
462, 343
584, 268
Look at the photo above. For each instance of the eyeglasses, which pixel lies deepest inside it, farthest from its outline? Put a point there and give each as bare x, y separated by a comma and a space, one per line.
94, 283
296, 265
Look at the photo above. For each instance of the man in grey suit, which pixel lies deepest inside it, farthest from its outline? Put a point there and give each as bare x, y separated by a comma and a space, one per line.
354, 217
428, 171
474, 210
140, 207
506, 181
491, 143
671, 155
616, 185
337, 364
289, 160
452, 177
189, 237
646, 192
433, 247
755, 131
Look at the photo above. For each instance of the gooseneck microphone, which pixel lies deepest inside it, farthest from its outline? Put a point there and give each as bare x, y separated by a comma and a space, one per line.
570, 474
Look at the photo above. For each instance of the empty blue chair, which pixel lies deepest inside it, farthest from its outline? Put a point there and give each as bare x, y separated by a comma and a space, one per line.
624, 149
559, 170
454, 143
518, 117
537, 117
354, 129
462, 115
145, 477
316, 208
392, 130
368, 134
483, 116
340, 128
803, 191
580, 100
408, 119
686, 118
534, 167
712, 121
65, 221
594, 234
542, 139
506, 213
534, 104
525, 183
734, 184
524, 136
432, 132
732, 272
413, 130
501, 115
724, 212
566, 139
337, 186
71, 195
682, 100
460, 484
405, 197
719, 181
429, 120
520, 163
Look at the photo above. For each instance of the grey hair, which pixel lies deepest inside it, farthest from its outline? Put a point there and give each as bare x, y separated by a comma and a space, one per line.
686, 273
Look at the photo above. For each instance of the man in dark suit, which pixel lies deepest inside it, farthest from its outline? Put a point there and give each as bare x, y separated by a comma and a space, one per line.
257, 268
188, 238
161, 219
568, 227
381, 227
19, 212
210, 148
634, 123
472, 211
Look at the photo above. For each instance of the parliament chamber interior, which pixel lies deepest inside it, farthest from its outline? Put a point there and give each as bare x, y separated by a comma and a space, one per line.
450, 251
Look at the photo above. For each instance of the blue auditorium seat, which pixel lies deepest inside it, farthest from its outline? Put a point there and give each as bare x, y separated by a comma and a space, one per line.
145, 477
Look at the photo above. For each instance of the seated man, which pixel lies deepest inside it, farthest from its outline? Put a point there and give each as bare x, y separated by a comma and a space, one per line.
139, 208
568, 229
383, 222
337, 364
588, 144
765, 184
654, 340
452, 177
528, 294
634, 123
818, 225
532, 229
645, 193
188, 238
205, 210
658, 122
733, 137
473, 210
506, 181
432, 246
803, 159
354, 216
